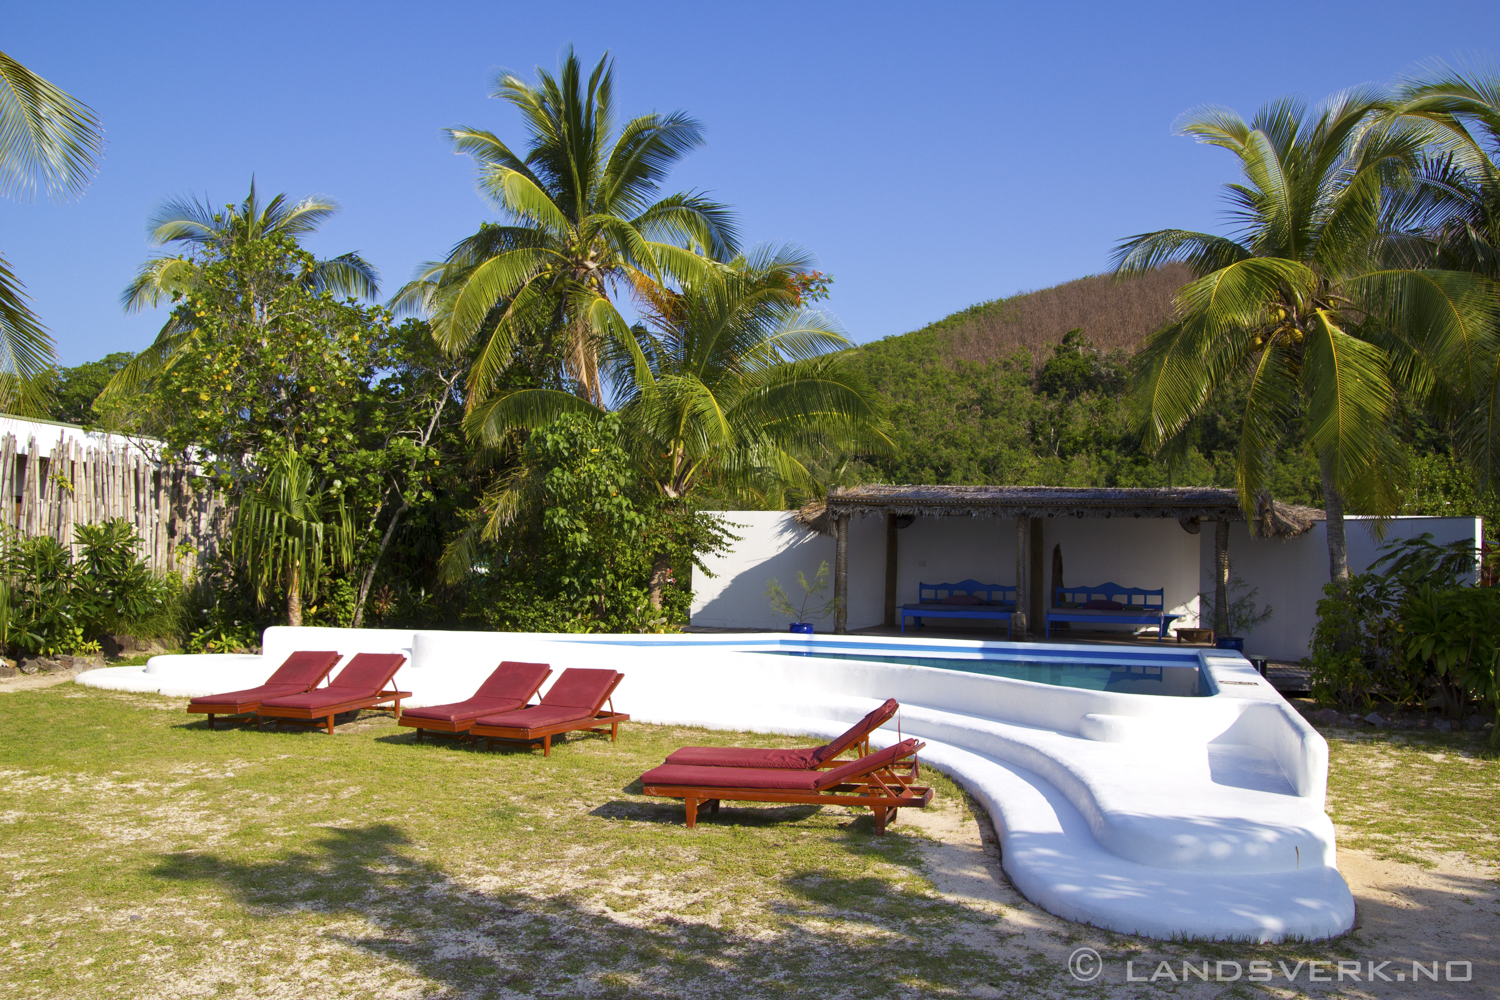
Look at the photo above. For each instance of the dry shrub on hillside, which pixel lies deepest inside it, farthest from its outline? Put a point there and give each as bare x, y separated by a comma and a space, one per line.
1114, 315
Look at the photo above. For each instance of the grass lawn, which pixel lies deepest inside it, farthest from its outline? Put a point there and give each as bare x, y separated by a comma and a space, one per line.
145, 856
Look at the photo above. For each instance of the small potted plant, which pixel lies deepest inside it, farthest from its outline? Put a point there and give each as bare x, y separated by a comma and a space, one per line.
1243, 615
812, 606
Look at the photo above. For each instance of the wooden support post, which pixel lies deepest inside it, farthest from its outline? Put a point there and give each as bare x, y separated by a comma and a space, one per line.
890, 570
841, 575
1221, 578
1019, 628
1038, 585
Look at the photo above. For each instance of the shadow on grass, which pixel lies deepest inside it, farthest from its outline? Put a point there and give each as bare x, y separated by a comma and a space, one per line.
473, 942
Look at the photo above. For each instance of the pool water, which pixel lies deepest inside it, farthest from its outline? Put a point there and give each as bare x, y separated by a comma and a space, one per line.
1156, 677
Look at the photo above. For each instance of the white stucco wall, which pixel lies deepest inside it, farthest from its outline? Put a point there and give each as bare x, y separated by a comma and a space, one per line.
1291, 574
773, 545
1132, 552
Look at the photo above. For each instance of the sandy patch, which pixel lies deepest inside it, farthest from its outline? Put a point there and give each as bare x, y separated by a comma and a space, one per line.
1406, 913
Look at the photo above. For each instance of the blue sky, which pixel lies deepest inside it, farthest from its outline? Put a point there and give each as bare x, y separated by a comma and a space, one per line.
931, 155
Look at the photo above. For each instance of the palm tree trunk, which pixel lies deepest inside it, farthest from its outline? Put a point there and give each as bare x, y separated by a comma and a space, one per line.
294, 597
1333, 505
661, 569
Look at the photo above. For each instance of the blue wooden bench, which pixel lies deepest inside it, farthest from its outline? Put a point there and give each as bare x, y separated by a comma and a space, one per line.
998, 601
1142, 607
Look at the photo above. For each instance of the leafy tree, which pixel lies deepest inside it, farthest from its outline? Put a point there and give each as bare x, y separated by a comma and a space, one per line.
287, 526
47, 136
1077, 367
281, 366
584, 224
1306, 302
577, 530
75, 389
210, 234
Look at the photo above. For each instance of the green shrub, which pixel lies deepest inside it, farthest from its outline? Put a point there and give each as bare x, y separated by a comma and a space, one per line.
55, 604
1410, 632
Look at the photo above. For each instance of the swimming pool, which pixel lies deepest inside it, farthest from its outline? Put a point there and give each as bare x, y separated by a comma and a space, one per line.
1175, 677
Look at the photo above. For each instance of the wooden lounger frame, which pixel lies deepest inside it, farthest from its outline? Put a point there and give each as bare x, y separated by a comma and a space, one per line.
883, 791
324, 716
597, 724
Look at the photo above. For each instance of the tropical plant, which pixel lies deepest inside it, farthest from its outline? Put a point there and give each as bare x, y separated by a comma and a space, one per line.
812, 605
584, 224
733, 377
47, 136
1305, 300
209, 234
1241, 614
288, 528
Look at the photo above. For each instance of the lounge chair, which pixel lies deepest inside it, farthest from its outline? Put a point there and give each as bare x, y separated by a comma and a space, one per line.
510, 687
803, 759
873, 781
361, 684
575, 701
302, 671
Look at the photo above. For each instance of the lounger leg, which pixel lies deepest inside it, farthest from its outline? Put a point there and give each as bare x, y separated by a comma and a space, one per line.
419, 734
210, 720
398, 709
713, 805
330, 725
614, 732
692, 811
546, 746
879, 812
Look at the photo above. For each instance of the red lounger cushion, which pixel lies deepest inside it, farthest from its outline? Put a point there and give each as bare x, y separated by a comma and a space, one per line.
249, 696
360, 680
581, 688
536, 717
464, 711
804, 759
368, 672
793, 759
304, 668
300, 671
505, 690
514, 680
694, 776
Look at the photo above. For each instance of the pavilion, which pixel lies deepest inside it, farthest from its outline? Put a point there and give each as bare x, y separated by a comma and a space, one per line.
1030, 506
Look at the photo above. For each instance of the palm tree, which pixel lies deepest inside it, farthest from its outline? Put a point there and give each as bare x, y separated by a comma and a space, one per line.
584, 223
285, 527
49, 136
733, 378
1304, 303
1452, 214
203, 229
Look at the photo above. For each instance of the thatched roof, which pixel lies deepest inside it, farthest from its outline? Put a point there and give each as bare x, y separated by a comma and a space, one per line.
1188, 505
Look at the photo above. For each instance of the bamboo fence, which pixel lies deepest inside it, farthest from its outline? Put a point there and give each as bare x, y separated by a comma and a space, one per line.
74, 483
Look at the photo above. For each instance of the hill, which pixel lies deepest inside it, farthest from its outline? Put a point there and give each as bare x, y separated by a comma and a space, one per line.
1001, 394
1114, 316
